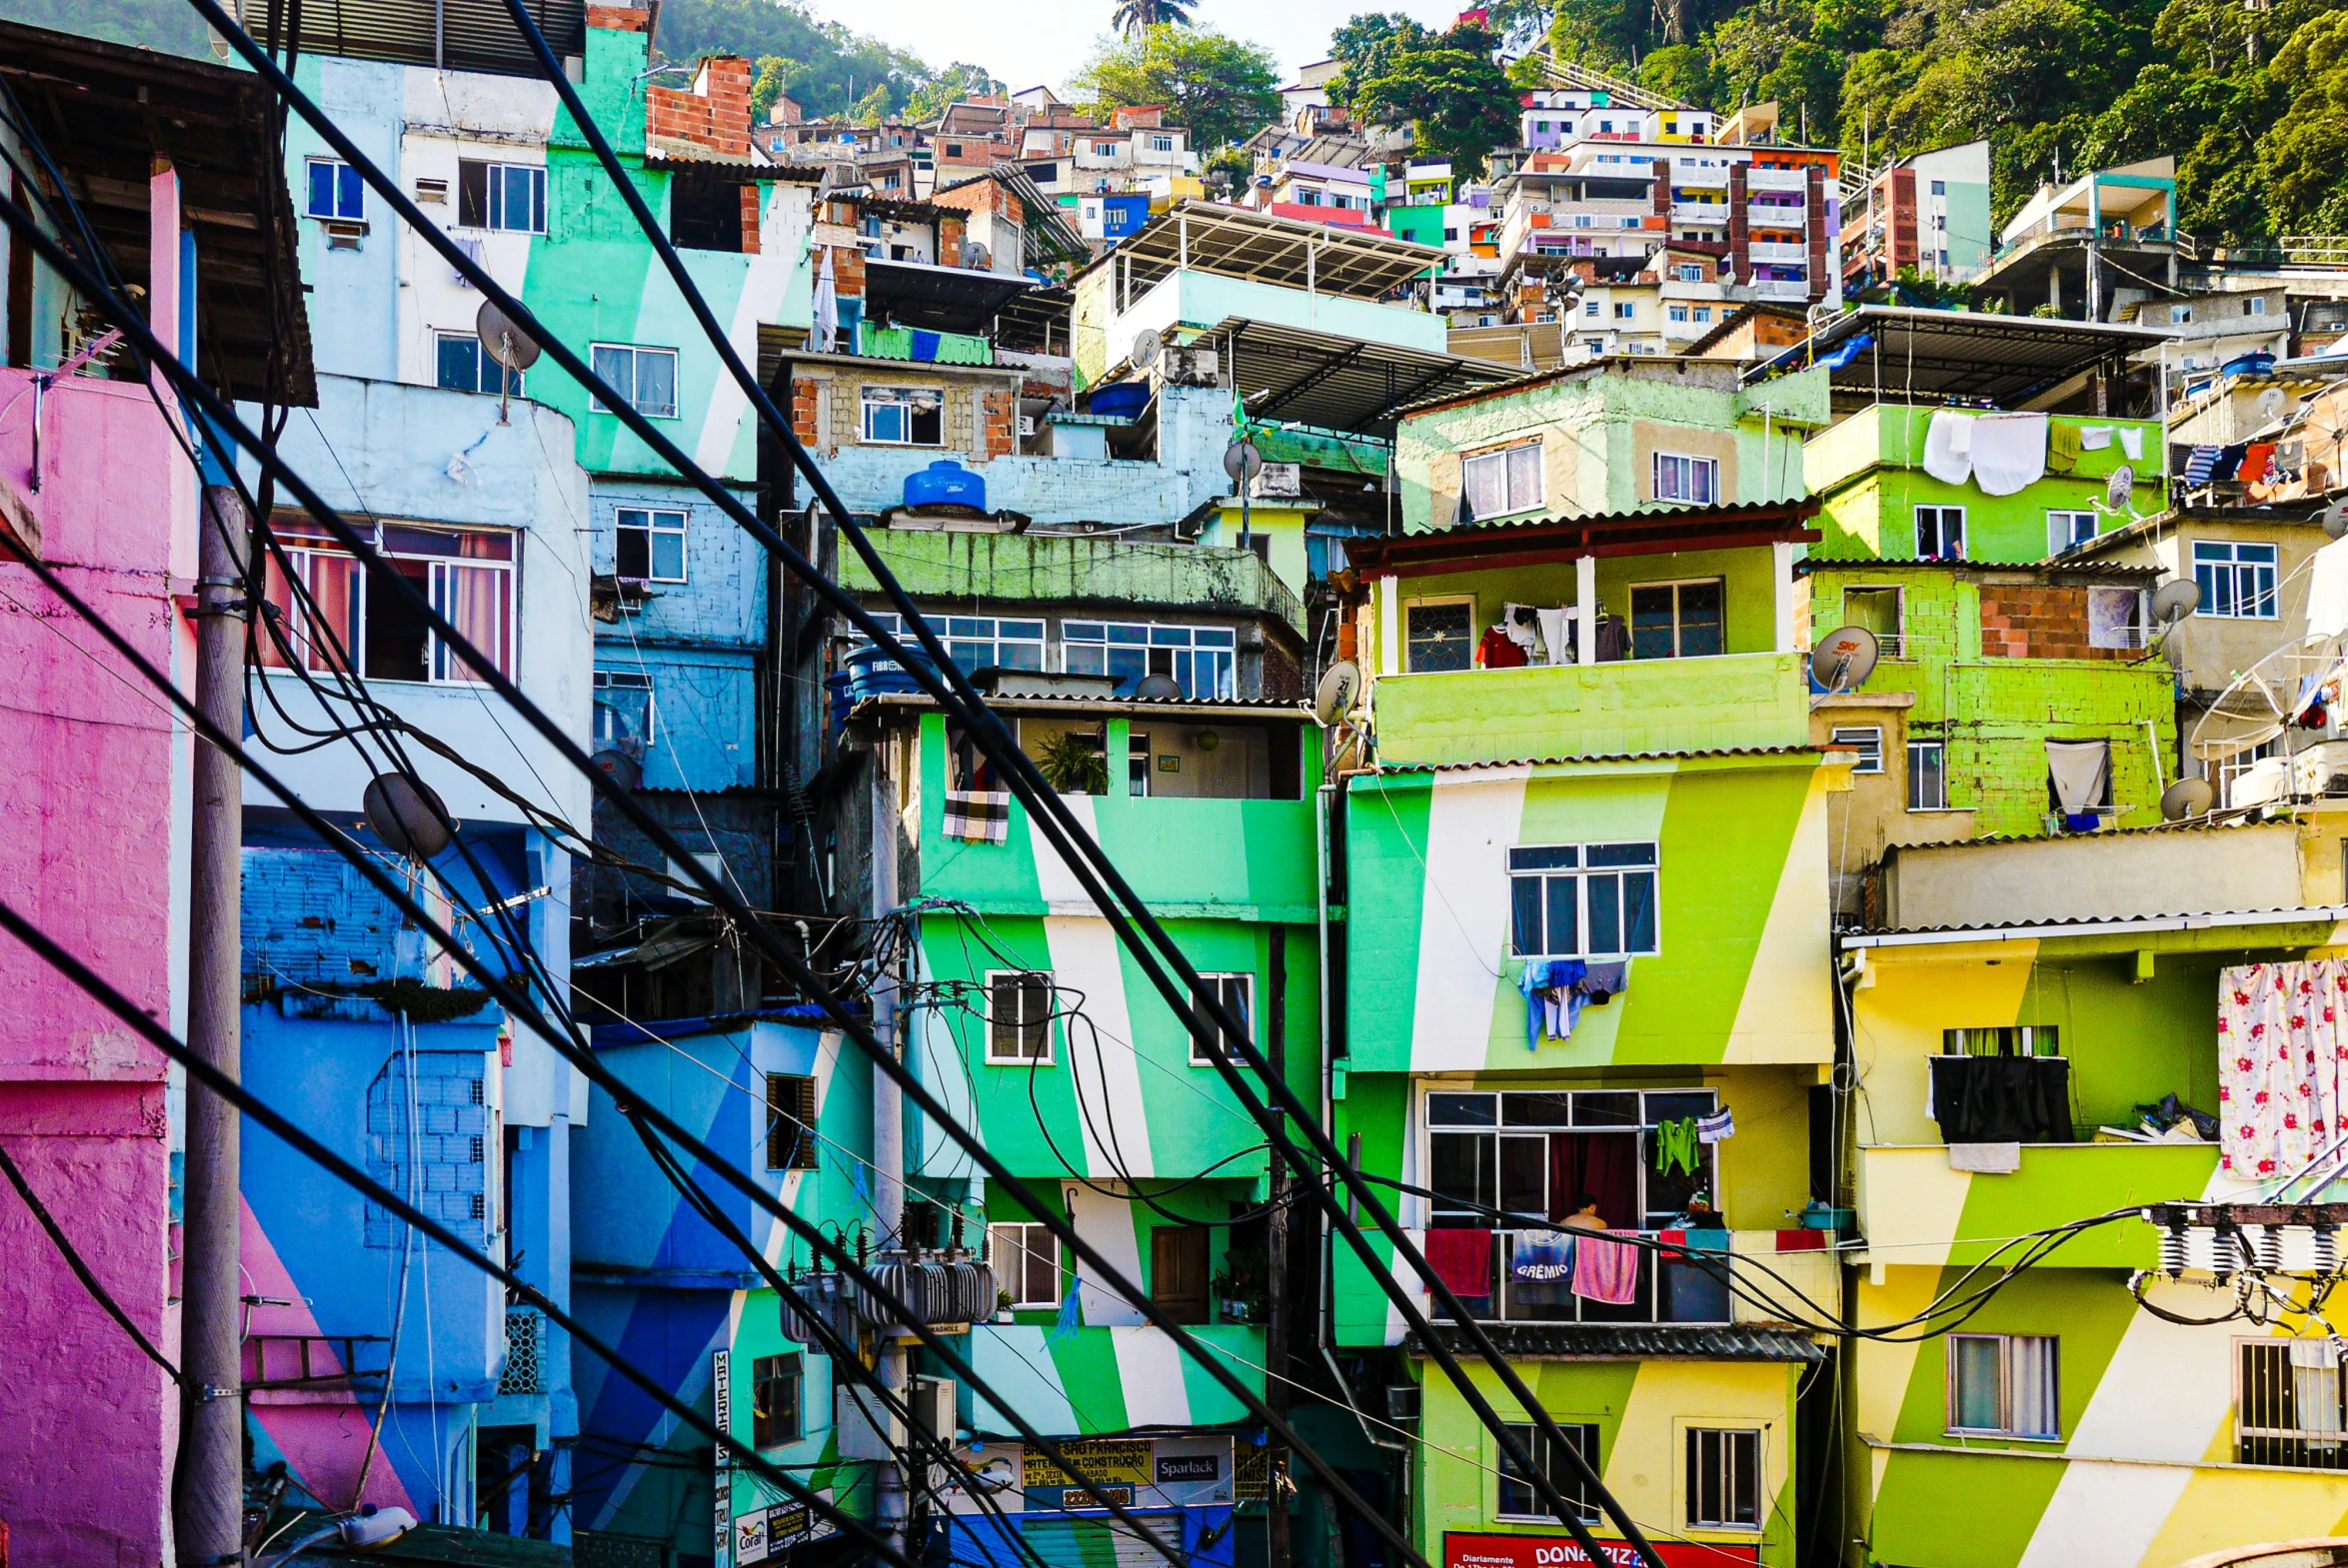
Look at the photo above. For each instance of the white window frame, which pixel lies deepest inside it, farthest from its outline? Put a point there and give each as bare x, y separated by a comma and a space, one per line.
2264, 599
1680, 623
1692, 1438
1216, 657
1428, 604
876, 396
1939, 531
1018, 1056
2010, 1348
1585, 876
441, 663
1161, 144
1022, 1235
1675, 476
480, 361
493, 193
1866, 739
625, 680
1916, 749
635, 353
2067, 521
1227, 985
337, 215
1513, 473
656, 523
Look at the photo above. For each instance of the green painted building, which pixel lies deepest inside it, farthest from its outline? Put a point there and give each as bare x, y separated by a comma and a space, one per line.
1659, 823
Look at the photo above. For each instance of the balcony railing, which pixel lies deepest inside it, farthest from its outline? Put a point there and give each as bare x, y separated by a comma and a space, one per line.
1675, 1285
525, 1369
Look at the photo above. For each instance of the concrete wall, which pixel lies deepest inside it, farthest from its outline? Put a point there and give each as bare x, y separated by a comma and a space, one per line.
1740, 700
2185, 871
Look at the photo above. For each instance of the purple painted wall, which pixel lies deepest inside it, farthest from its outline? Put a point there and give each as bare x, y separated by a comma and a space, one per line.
93, 833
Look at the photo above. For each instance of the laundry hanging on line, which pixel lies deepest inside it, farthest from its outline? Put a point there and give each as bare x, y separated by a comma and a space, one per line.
1677, 1145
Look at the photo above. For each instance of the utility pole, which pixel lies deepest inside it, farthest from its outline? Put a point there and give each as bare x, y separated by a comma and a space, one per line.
889, 1481
1275, 1249
208, 1513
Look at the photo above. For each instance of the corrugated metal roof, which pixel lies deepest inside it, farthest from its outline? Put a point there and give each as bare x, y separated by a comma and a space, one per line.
453, 35
1604, 757
1651, 529
2075, 926
2056, 565
1637, 1342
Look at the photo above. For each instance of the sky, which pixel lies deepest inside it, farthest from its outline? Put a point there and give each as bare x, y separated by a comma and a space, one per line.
1025, 42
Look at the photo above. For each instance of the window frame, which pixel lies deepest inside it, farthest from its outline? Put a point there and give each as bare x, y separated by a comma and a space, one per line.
654, 530
1410, 605
1679, 623
344, 182
496, 195
873, 396
1225, 981
2070, 540
305, 547
792, 1112
441, 341
1848, 737
635, 353
1020, 1055
1741, 1436
1509, 472
1024, 1244
1915, 772
2265, 599
2007, 1345
1538, 1444
1690, 465
1216, 656
783, 1368
602, 680
1583, 873
1940, 513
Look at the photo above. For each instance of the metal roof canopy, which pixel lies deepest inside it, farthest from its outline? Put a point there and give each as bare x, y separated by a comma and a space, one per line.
107, 111
1929, 354
1482, 546
1303, 376
1239, 242
938, 299
449, 35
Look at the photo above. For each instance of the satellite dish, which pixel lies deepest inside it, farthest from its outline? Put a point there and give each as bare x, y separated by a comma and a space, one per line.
1844, 657
1147, 345
1241, 461
407, 816
619, 768
2270, 402
219, 42
2335, 519
2119, 488
1157, 689
2186, 798
1340, 687
2173, 601
501, 341
977, 257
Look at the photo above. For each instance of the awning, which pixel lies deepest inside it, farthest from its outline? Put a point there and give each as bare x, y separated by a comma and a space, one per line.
1481, 547
1298, 376
450, 35
1929, 354
1239, 242
941, 299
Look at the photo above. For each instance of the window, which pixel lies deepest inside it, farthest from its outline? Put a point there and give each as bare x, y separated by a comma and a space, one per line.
774, 1401
1941, 533
465, 573
2003, 1384
790, 1121
1203, 661
644, 379
1679, 477
1576, 901
1692, 273
1161, 144
707, 214
1589, 307
508, 196
1438, 634
1104, 149
1676, 620
1236, 992
1019, 1017
953, 149
1499, 483
1866, 739
335, 191
1940, 187
1704, 313
1027, 1263
1519, 1500
2288, 1408
986, 642
2065, 528
2005, 1039
1177, 1272
1940, 221
2237, 581
2225, 771
624, 712
1625, 310
649, 543
2254, 306
462, 367
1723, 1478
2180, 314
2115, 618
905, 416
1677, 312
1927, 775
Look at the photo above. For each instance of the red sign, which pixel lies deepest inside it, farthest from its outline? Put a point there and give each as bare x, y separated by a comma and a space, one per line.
1462, 1549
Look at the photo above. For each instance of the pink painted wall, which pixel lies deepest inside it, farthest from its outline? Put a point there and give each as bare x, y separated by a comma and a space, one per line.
93, 833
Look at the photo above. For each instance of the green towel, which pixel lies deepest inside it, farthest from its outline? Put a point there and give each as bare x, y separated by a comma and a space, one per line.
2062, 447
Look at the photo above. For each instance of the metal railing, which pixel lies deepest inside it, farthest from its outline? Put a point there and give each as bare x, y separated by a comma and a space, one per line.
1674, 1286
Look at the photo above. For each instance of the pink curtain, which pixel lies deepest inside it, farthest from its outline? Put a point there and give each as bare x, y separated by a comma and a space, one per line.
334, 635
2280, 1053
475, 601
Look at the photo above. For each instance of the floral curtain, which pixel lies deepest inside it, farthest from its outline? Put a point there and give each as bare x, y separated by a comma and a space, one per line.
2282, 1049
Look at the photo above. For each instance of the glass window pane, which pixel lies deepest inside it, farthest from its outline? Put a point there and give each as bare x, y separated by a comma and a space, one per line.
1023, 630
1610, 1108
615, 368
1485, 480
1525, 927
2035, 1410
1081, 630
1169, 636
1651, 629
1460, 1170
1129, 634
322, 196
1461, 1111
1209, 636
1974, 1396
1086, 660
1606, 915
1638, 911
1621, 855
459, 363
1525, 1176
353, 192
1442, 636
1699, 620
1537, 857
1020, 655
667, 556
1538, 1109
1565, 915
656, 384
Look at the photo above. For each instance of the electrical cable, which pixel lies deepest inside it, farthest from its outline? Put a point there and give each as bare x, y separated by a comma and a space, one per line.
1056, 826
81, 1270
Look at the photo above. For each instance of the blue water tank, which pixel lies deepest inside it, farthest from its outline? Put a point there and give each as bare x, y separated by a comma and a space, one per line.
946, 483
1120, 398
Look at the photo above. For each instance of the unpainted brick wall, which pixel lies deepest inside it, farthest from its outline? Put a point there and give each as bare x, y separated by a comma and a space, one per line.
2020, 621
712, 113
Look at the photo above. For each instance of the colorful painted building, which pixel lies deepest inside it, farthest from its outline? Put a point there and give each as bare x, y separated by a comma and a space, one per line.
1646, 822
2106, 1430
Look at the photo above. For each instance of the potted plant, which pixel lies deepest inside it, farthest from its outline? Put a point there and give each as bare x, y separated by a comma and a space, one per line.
1075, 763
1244, 1286
1003, 1307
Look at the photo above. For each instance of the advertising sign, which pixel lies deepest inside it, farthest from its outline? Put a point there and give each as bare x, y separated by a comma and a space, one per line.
1462, 1549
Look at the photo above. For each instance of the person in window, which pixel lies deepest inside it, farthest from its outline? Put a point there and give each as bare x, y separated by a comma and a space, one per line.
1699, 1214
1584, 1215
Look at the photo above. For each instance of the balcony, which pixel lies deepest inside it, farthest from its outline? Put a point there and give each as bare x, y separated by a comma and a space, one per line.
1777, 179
1602, 709
1780, 254
1915, 1209
1776, 215
1700, 212
1782, 288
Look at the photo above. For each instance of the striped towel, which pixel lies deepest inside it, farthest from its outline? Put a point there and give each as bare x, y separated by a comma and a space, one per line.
978, 815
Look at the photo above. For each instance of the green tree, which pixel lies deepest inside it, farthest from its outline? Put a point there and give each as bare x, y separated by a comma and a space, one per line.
1133, 16
1455, 96
773, 81
947, 88
1364, 48
1221, 89
2303, 159
1682, 71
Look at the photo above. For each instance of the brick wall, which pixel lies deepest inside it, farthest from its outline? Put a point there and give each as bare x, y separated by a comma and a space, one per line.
619, 18
749, 220
807, 410
1001, 421
1741, 227
950, 229
2029, 621
712, 113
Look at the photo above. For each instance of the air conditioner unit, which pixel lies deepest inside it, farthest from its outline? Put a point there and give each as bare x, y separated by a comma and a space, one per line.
1402, 1403
1278, 479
